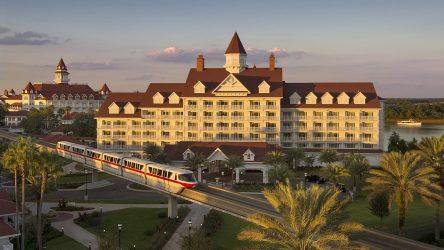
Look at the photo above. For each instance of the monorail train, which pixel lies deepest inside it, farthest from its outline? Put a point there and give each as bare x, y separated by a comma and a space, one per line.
160, 176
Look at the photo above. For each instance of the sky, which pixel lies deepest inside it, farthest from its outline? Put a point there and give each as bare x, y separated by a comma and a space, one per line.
398, 45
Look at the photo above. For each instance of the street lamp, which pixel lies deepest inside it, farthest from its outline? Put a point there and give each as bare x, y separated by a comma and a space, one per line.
63, 230
86, 184
305, 181
190, 223
119, 226
89, 245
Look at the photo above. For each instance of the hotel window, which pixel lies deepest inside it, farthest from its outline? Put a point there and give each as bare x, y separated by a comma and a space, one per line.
271, 104
333, 145
255, 104
192, 103
222, 114
349, 114
77, 97
317, 114
165, 123
91, 97
254, 136
367, 145
192, 114
84, 97
208, 104
301, 114
350, 145
208, 125
317, 145
165, 113
237, 104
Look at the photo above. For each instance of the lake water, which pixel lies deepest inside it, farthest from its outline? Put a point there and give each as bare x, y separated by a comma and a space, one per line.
410, 133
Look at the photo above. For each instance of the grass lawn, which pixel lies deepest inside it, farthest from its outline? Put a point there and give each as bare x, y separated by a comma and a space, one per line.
64, 242
80, 178
226, 237
136, 221
419, 218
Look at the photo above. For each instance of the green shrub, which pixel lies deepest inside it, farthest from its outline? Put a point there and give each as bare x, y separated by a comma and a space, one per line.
212, 222
161, 215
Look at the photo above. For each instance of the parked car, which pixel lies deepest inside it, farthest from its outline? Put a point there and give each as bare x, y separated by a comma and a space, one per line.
315, 179
341, 187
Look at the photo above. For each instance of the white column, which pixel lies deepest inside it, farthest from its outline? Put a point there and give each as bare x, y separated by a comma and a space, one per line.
199, 174
94, 175
237, 174
265, 174
172, 207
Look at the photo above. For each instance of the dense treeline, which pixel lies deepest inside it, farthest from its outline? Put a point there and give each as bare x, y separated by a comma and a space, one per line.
406, 109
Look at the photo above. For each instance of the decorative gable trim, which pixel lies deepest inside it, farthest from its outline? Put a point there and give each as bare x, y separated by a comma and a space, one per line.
311, 98
343, 98
214, 154
129, 108
248, 155
187, 154
359, 98
231, 86
173, 98
295, 98
264, 88
327, 98
199, 88
113, 108
158, 98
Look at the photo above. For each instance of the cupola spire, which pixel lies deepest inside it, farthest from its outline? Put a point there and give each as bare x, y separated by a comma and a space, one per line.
61, 73
235, 56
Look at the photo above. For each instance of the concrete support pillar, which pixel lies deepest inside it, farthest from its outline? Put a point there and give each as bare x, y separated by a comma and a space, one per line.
265, 175
172, 207
237, 174
94, 175
199, 174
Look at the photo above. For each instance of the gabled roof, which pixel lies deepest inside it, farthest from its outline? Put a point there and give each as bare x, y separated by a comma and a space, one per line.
61, 64
121, 99
104, 88
235, 46
165, 89
29, 87
49, 89
335, 89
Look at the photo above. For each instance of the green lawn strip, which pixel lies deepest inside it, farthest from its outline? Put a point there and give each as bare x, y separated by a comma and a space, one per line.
226, 236
136, 221
138, 186
419, 218
63, 242
80, 178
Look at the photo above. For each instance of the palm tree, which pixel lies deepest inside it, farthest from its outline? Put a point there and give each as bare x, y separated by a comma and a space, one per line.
335, 172
10, 162
328, 156
309, 160
195, 161
310, 219
431, 150
357, 166
155, 153
278, 173
402, 177
25, 153
233, 162
294, 156
274, 157
44, 169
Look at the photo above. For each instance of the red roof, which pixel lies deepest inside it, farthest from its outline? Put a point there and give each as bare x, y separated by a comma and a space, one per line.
235, 46
29, 87
121, 99
49, 89
17, 113
15, 97
61, 64
175, 151
104, 88
335, 89
6, 230
75, 139
70, 116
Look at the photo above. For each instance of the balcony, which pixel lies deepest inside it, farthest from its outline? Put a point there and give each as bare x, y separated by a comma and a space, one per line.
255, 106
149, 116
287, 139
255, 118
193, 128
191, 117
191, 106
206, 118
237, 106
270, 129
367, 128
367, 118
332, 117
237, 118
120, 126
104, 126
350, 117
271, 118
271, 106
115, 137
208, 107
148, 126
223, 107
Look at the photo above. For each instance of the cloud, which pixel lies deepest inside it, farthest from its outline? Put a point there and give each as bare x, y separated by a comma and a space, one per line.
26, 38
3, 29
175, 54
140, 78
92, 65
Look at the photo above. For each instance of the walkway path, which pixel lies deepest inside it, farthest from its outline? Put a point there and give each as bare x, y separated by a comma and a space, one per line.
70, 168
196, 216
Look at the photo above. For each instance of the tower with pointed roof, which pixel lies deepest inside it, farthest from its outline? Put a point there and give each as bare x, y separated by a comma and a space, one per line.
235, 56
29, 94
61, 73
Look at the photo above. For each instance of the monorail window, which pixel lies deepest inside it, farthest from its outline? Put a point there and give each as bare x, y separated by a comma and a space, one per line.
169, 175
165, 173
187, 177
150, 170
159, 172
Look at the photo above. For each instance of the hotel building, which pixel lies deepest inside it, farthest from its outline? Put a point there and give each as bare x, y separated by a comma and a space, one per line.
238, 103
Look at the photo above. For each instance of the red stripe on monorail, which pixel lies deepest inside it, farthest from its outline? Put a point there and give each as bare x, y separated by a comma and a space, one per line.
187, 185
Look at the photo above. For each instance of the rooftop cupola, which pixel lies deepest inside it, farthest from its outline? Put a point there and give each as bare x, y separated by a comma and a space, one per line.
235, 56
61, 73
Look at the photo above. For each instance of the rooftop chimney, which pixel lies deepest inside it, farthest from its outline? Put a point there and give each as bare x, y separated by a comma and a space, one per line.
271, 66
200, 63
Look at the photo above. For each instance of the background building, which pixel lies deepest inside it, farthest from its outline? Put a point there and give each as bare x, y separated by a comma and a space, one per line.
237, 103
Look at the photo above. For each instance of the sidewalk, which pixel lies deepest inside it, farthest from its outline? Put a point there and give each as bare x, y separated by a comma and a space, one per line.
196, 215
70, 168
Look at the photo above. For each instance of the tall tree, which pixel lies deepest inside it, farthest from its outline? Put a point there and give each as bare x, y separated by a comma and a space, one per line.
328, 156
402, 177
335, 172
45, 169
311, 219
379, 205
309, 160
234, 161
9, 160
278, 172
357, 166
431, 150
274, 157
195, 161
295, 156
155, 153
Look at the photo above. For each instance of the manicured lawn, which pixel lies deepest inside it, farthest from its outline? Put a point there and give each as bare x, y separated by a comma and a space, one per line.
80, 178
226, 237
136, 221
419, 218
64, 242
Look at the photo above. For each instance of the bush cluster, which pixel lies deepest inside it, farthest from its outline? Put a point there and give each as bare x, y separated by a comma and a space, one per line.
89, 219
212, 222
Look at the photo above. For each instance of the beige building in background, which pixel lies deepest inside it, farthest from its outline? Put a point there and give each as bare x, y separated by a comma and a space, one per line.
237, 103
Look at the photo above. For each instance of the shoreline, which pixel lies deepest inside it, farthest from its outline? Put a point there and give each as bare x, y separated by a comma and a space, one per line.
424, 122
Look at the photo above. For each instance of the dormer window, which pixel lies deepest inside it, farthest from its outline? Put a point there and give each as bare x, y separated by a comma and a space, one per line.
173, 98
84, 97
359, 98
199, 88
327, 98
311, 98
264, 88
55, 97
91, 97
187, 154
69, 97
158, 98
62, 97
129, 108
113, 108
248, 155
77, 97
295, 98
343, 98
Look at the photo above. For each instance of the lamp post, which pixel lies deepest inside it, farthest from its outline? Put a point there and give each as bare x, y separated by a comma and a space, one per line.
305, 181
89, 245
190, 223
86, 184
119, 226
63, 230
